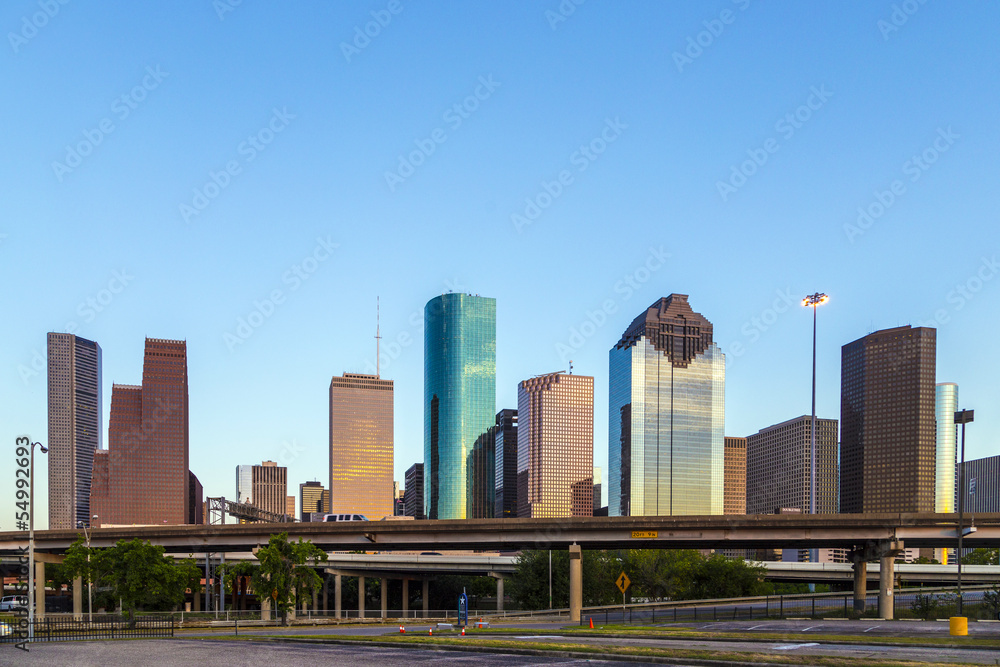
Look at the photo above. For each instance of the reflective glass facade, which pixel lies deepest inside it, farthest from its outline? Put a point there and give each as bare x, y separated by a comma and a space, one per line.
459, 395
666, 415
945, 406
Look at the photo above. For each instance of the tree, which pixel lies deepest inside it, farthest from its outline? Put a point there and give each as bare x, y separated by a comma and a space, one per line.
721, 577
982, 557
283, 568
141, 576
659, 574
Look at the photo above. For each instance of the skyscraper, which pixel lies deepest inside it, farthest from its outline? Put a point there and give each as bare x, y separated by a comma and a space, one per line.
144, 474
459, 395
74, 401
735, 487
313, 498
505, 452
778, 470
887, 457
555, 446
244, 483
413, 491
666, 415
268, 487
946, 455
982, 486
481, 476
597, 489
361, 445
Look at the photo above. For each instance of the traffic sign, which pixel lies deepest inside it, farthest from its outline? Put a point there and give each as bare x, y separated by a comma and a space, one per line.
623, 582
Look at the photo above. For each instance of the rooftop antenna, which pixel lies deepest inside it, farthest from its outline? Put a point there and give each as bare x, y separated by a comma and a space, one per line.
378, 338
570, 366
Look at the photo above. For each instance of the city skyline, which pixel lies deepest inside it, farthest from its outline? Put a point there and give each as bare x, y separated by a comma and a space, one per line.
851, 160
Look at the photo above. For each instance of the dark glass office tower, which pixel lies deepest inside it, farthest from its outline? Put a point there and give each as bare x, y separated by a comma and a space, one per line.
459, 395
505, 448
887, 401
74, 398
666, 415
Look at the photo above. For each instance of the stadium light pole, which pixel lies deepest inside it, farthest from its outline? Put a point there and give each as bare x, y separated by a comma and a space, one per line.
962, 417
813, 300
31, 540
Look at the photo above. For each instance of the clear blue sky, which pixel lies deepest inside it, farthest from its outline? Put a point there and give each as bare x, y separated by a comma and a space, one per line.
661, 129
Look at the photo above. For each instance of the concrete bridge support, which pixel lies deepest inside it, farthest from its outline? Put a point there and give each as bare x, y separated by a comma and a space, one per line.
860, 585
337, 589
78, 599
499, 593
385, 598
886, 578
575, 583
361, 597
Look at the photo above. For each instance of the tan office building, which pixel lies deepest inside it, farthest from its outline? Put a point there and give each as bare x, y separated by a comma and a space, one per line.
734, 500
555, 446
361, 443
269, 486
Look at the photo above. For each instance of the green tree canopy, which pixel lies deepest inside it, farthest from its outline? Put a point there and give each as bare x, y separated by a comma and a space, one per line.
141, 576
282, 568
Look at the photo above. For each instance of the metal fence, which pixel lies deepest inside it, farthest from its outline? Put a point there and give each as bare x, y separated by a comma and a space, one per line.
915, 605
60, 629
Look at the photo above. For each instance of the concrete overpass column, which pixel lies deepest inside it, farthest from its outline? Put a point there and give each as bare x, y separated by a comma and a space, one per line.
499, 593
575, 583
265, 607
337, 583
385, 598
886, 577
425, 590
406, 596
78, 599
39, 591
860, 585
361, 597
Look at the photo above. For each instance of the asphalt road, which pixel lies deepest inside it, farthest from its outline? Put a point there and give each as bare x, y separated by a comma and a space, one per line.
185, 653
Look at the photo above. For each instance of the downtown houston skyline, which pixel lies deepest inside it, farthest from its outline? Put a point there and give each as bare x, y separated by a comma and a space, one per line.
651, 149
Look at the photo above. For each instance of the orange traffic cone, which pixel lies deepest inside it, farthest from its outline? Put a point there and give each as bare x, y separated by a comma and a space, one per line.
463, 631
430, 631
402, 630
591, 622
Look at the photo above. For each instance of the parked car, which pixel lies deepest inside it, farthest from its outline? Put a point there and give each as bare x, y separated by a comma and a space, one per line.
12, 602
345, 517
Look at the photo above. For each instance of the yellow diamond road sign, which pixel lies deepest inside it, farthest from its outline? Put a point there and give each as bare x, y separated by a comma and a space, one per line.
623, 582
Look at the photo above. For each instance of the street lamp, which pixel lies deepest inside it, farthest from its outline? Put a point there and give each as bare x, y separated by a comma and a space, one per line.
962, 417
813, 300
31, 539
90, 576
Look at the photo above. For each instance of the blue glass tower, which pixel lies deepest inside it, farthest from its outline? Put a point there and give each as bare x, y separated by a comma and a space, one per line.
460, 334
666, 415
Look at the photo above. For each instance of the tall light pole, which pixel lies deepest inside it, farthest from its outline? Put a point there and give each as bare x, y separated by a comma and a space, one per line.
90, 582
962, 417
813, 300
31, 539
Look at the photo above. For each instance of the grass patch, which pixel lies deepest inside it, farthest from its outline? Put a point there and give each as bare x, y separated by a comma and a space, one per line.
513, 646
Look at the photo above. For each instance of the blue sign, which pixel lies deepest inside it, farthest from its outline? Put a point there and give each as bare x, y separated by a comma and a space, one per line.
463, 609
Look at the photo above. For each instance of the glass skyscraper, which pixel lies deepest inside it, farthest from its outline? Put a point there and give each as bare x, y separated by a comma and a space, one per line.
459, 395
666, 415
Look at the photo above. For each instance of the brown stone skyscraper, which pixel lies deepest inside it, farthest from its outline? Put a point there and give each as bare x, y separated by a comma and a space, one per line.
555, 446
887, 456
143, 478
735, 488
74, 398
778, 467
361, 442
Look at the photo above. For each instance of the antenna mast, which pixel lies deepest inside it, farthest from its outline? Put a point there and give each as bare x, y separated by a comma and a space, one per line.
378, 339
